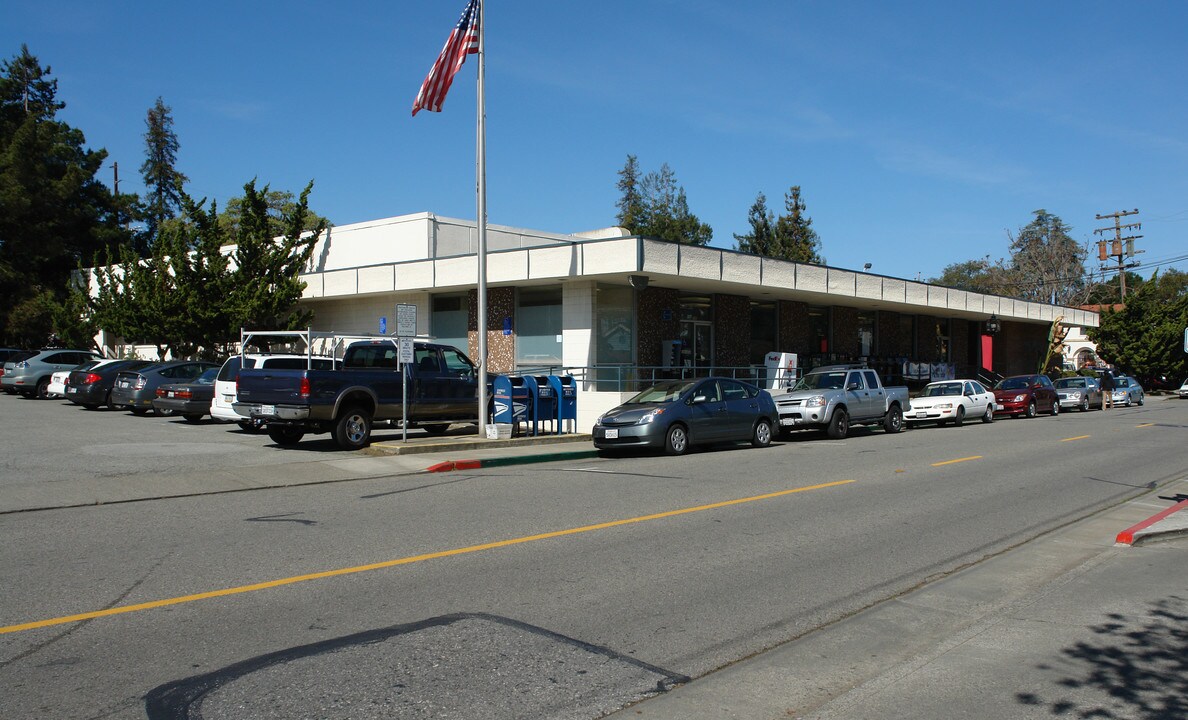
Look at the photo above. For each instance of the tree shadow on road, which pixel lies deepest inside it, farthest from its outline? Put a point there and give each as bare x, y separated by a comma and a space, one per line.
1138, 667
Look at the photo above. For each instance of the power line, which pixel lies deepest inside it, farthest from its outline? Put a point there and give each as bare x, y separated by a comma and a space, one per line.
1120, 247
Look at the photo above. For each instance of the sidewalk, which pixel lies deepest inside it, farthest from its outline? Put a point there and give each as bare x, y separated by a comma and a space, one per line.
1068, 624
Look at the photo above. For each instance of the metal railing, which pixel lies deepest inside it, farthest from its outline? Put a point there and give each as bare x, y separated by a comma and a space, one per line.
633, 378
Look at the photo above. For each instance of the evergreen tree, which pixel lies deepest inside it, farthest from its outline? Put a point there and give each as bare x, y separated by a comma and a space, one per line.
54, 213
795, 237
1047, 265
163, 181
655, 206
1146, 337
762, 238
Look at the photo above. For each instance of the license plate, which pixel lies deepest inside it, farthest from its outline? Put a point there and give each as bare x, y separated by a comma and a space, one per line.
921, 413
267, 410
787, 421
229, 398
612, 433
71, 389
170, 394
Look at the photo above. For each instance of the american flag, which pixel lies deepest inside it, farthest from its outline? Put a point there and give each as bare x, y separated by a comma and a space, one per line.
463, 41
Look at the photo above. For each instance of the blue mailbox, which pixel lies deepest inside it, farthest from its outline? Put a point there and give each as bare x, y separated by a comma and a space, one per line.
511, 399
542, 403
565, 390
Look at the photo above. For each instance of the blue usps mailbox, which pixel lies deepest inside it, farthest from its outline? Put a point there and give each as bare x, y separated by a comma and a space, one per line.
565, 391
542, 403
511, 399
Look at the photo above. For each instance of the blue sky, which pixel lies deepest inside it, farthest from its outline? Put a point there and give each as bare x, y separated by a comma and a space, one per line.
920, 133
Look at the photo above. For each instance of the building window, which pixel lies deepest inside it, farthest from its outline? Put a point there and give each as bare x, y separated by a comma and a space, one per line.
448, 320
614, 323
764, 325
866, 333
818, 328
907, 336
941, 328
538, 326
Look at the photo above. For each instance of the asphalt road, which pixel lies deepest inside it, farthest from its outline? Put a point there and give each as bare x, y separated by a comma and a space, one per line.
563, 590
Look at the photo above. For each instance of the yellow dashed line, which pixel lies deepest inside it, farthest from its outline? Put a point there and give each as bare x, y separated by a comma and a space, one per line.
958, 460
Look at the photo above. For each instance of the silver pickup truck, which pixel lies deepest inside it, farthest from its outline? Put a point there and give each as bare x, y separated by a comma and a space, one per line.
836, 397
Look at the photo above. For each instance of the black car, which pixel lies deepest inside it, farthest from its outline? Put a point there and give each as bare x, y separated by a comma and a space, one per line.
92, 388
136, 388
191, 399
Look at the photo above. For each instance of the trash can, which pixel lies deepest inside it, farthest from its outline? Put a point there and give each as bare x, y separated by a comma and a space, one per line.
565, 391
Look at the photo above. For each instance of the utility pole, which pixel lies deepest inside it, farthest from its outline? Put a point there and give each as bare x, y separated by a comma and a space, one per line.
1120, 247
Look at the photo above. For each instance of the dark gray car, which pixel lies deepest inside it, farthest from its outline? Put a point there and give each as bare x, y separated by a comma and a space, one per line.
676, 414
136, 389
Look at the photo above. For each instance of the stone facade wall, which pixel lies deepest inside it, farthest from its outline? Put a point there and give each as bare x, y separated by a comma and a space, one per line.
795, 334
1019, 348
732, 330
959, 344
889, 339
501, 349
845, 332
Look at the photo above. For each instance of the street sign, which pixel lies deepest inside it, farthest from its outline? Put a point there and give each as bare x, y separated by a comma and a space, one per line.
383, 325
406, 320
406, 350
1186, 339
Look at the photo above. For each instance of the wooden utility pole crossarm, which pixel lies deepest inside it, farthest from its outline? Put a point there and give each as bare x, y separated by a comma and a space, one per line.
1120, 247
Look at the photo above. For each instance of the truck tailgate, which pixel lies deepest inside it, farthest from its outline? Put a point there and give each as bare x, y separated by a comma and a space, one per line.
271, 387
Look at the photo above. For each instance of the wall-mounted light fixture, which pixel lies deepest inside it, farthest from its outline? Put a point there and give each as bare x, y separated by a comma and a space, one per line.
639, 282
993, 325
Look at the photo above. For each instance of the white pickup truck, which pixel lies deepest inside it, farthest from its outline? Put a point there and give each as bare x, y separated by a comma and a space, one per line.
836, 397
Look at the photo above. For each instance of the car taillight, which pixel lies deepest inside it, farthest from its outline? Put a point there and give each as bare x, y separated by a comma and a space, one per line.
183, 394
304, 390
162, 392
91, 378
139, 382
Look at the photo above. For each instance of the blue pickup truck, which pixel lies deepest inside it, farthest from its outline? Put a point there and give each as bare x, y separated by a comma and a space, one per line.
365, 389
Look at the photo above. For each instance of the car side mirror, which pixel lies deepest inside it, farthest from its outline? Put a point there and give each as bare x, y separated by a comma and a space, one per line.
853, 386
699, 399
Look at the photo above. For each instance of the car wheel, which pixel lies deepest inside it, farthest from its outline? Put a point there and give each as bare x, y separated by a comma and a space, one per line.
1055, 407
1084, 405
676, 440
1031, 409
285, 434
43, 389
352, 430
1142, 399
839, 425
960, 419
89, 406
761, 437
988, 416
893, 420
164, 413
192, 418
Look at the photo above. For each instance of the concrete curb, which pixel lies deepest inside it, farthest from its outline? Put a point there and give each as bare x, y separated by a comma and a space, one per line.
1159, 524
451, 465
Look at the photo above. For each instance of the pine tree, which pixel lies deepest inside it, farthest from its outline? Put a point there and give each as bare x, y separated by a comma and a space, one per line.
795, 237
762, 239
163, 181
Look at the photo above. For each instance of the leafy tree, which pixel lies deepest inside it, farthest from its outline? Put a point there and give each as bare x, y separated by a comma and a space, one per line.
794, 232
983, 276
656, 206
1047, 265
163, 181
54, 214
280, 204
265, 286
1109, 292
1146, 337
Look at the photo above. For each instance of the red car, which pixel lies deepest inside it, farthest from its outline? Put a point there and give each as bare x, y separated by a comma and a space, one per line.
1025, 396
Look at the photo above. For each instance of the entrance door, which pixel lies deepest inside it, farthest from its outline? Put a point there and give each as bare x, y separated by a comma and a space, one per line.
697, 344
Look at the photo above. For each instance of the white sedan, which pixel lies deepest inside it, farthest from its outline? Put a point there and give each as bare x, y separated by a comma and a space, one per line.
951, 401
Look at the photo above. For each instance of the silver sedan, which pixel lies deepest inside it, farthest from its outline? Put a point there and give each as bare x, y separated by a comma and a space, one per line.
1079, 393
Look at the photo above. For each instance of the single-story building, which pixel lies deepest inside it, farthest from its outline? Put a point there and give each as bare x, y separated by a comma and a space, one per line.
617, 310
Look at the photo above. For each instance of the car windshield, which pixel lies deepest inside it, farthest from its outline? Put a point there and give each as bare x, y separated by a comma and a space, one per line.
662, 392
942, 389
822, 381
1070, 383
1013, 384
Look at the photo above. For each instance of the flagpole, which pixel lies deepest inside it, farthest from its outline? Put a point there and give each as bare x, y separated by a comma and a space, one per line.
481, 152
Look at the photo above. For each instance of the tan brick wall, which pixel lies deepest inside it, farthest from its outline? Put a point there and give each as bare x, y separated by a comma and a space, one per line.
732, 330
652, 329
501, 349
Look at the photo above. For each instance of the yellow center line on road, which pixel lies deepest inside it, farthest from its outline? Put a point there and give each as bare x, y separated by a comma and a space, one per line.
1145, 425
405, 561
958, 460
1079, 437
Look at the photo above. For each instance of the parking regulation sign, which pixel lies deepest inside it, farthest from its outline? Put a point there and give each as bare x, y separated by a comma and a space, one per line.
406, 320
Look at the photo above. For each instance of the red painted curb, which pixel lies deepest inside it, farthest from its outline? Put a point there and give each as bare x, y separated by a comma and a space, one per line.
446, 466
468, 464
1126, 537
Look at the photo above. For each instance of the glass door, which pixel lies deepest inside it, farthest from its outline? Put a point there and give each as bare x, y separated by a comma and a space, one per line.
697, 344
